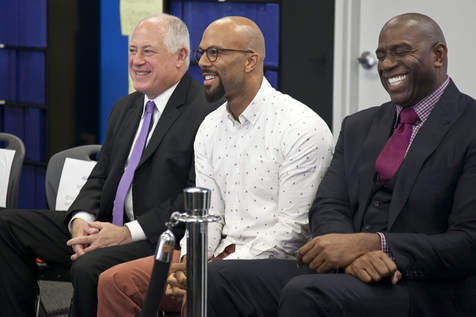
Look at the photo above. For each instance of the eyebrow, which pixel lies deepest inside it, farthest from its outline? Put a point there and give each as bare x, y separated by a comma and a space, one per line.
394, 47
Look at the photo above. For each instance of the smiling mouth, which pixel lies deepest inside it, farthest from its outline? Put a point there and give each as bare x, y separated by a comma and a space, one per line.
208, 78
141, 73
396, 80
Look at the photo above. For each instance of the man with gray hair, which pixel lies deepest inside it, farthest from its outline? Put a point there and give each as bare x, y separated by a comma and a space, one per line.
145, 162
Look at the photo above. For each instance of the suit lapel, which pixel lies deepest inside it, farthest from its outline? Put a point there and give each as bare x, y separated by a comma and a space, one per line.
129, 128
429, 136
172, 112
379, 132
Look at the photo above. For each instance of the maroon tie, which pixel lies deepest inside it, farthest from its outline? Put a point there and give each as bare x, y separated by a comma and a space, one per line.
393, 152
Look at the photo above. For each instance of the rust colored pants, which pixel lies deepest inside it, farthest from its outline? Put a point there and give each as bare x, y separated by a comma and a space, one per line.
122, 288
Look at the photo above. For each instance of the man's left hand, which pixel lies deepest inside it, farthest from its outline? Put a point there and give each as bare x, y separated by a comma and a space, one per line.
373, 267
107, 236
333, 251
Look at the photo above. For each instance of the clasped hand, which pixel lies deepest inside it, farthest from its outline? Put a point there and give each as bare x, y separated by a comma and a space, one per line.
357, 253
88, 236
177, 281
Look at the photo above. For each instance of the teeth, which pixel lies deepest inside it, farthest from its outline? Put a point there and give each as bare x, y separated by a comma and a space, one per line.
141, 73
207, 77
396, 80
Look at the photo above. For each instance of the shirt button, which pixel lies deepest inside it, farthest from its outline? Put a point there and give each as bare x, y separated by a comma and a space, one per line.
376, 203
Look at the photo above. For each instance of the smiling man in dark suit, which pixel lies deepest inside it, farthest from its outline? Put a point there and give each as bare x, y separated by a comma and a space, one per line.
145, 162
394, 220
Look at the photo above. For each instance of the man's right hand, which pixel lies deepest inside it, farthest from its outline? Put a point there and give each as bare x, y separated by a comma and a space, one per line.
79, 228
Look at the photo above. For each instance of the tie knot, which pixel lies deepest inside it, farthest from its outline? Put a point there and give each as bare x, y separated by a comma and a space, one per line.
408, 116
149, 106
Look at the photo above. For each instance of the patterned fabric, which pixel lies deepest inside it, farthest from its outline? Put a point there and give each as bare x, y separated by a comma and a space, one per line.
424, 108
263, 171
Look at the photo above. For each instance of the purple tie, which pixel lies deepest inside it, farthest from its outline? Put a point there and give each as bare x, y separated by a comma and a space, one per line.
126, 179
393, 152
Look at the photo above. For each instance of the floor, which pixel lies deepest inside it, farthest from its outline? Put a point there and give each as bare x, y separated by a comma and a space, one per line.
56, 297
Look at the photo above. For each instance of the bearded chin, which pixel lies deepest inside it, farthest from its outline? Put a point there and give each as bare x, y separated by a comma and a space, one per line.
216, 94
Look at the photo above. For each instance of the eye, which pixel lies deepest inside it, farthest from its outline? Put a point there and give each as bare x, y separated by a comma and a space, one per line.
213, 51
401, 50
380, 56
148, 52
132, 50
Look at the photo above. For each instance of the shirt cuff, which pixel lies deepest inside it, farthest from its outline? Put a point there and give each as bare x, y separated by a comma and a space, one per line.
86, 216
137, 234
384, 246
183, 245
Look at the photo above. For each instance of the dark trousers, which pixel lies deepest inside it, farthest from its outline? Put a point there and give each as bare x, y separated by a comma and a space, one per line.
278, 288
28, 234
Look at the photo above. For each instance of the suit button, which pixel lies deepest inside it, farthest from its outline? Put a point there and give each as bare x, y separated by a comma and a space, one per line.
376, 203
367, 227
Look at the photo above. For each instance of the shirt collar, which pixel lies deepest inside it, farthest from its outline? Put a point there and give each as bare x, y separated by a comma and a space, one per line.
424, 107
161, 100
252, 111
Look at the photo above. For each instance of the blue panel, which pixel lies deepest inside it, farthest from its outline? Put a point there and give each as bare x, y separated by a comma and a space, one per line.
8, 76
32, 23
31, 77
176, 8
14, 122
2, 110
265, 15
272, 77
196, 73
9, 22
35, 134
113, 69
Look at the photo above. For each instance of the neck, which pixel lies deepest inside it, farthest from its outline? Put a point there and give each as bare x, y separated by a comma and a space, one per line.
237, 104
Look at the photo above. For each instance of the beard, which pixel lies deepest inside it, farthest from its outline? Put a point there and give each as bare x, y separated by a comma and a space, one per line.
216, 94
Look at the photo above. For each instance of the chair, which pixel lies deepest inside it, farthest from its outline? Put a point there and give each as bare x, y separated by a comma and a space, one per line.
54, 170
14, 143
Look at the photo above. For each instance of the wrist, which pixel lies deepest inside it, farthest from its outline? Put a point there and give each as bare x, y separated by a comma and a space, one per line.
127, 234
369, 242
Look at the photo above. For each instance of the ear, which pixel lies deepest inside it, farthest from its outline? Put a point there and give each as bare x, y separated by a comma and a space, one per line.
251, 62
181, 57
440, 52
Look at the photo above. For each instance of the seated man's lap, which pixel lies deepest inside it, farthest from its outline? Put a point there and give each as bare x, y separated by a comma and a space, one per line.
99, 260
248, 287
342, 295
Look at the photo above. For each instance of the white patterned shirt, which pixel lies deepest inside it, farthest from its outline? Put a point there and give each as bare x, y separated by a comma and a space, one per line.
263, 172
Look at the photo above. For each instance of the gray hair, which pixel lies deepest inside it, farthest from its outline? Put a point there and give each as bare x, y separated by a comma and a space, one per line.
177, 35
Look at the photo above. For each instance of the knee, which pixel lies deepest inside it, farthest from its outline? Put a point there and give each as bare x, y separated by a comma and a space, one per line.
295, 289
108, 281
85, 268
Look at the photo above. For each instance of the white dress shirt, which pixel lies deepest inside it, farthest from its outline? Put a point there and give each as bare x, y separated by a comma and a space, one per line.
263, 172
134, 227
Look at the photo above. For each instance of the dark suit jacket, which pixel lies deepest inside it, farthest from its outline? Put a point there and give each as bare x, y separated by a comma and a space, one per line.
432, 215
166, 166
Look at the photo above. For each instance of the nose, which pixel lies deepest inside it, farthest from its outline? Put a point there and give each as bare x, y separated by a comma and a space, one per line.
388, 62
137, 58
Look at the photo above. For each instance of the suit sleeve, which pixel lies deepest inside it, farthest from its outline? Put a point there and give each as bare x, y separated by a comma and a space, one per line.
89, 197
331, 211
450, 254
153, 222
